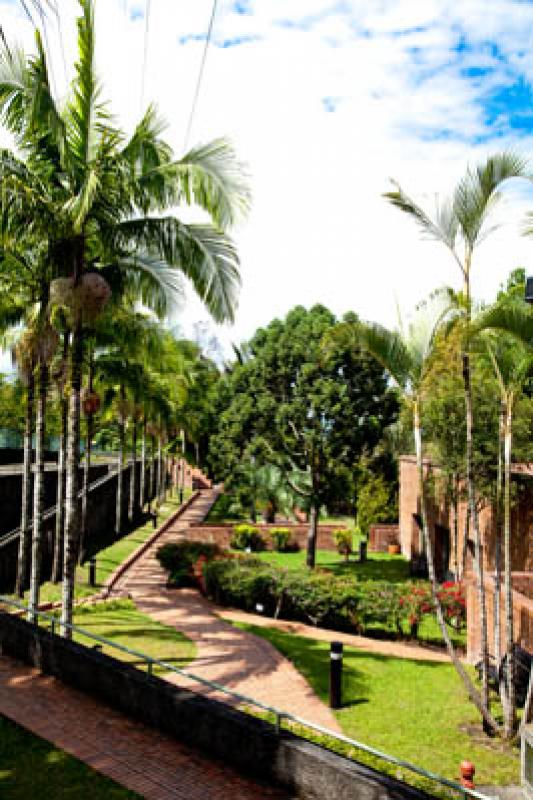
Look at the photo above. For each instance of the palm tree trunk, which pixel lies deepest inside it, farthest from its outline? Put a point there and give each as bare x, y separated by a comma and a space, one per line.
60, 507
498, 545
38, 494
456, 559
120, 463
312, 535
478, 555
469, 686
142, 492
133, 506
510, 706
86, 467
72, 518
22, 564
159, 470
153, 472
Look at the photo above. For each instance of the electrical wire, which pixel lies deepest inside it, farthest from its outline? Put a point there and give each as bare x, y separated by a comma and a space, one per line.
148, 9
200, 76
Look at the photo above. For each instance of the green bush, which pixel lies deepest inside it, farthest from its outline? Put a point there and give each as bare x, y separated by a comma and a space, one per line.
247, 537
344, 541
281, 540
179, 558
318, 597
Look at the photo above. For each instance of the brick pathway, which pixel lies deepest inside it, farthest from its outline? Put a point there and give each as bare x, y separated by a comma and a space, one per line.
140, 758
226, 655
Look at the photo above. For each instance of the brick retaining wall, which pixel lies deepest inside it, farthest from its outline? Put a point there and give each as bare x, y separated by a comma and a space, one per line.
381, 536
221, 534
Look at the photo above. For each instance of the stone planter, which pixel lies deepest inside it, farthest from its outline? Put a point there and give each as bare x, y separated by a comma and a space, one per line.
393, 549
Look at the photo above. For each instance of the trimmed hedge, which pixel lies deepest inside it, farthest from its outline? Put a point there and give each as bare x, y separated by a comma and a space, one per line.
179, 558
247, 537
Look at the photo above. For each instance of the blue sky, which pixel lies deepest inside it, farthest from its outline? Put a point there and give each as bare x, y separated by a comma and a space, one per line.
326, 100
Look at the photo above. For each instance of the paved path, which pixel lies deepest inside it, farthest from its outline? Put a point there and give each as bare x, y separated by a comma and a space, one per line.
140, 758
385, 648
226, 655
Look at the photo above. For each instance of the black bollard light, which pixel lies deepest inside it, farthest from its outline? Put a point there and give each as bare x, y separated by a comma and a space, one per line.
154, 519
362, 551
335, 675
92, 572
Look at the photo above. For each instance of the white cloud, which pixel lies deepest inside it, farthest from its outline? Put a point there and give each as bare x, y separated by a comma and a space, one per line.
319, 230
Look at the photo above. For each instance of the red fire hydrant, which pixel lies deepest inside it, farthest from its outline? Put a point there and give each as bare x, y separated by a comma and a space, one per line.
467, 774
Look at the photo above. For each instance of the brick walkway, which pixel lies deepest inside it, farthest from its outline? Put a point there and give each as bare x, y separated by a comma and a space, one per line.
140, 758
226, 655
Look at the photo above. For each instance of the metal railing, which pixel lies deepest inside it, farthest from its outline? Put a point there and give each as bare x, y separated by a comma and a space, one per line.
10, 536
279, 716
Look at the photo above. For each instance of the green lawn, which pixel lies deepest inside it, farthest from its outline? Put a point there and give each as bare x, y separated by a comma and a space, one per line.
30, 767
122, 623
109, 559
415, 710
378, 566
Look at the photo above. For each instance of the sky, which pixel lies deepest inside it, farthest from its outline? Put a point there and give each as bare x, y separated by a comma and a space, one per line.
325, 102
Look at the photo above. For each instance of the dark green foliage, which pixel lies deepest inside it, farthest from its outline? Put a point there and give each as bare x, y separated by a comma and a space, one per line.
308, 412
247, 537
179, 558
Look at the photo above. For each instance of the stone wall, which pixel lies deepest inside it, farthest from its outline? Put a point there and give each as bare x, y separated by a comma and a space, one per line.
221, 534
245, 742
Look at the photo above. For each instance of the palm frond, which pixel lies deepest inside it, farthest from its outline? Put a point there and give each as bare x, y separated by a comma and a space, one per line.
514, 318
202, 253
441, 229
478, 193
210, 176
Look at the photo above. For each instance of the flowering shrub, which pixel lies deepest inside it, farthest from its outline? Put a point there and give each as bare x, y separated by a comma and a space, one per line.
343, 539
453, 600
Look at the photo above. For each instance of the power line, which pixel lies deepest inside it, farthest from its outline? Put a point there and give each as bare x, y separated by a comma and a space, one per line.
200, 76
145, 56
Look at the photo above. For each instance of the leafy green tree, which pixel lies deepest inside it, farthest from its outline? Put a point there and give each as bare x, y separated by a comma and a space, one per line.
308, 412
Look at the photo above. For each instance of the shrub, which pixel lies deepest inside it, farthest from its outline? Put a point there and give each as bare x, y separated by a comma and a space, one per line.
247, 537
281, 540
453, 600
344, 540
179, 558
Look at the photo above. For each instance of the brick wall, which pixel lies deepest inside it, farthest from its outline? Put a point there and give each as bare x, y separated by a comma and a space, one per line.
221, 534
381, 536
522, 614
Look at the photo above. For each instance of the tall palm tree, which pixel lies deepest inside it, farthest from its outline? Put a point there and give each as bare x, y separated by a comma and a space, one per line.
407, 357
512, 366
461, 222
90, 192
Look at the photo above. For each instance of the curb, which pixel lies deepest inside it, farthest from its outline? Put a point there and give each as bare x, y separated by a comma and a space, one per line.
121, 569
130, 561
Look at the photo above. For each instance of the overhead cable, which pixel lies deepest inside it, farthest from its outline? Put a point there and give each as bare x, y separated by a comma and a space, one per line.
145, 55
200, 76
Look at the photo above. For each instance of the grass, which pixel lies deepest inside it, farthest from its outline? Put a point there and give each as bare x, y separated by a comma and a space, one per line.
32, 767
122, 623
110, 558
414, 710
378, 566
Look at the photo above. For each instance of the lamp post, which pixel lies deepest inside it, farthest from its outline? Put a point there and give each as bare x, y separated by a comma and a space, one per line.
529, 290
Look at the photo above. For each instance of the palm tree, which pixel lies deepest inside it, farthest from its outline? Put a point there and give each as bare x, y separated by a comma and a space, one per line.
90, 193
408, 357
512, 366
461, 223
